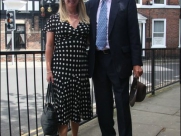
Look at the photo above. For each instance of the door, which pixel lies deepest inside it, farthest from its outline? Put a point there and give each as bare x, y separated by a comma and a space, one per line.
19, 38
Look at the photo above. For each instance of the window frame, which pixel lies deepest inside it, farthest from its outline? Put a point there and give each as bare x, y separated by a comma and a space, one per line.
15, 32
31, 5
158, 4
164, 37
140, 3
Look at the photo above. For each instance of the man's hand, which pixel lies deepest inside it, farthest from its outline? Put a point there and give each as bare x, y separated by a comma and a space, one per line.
138, 71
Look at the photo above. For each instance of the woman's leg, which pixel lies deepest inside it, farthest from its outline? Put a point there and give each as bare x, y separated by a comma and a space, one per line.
75, 128
63, 130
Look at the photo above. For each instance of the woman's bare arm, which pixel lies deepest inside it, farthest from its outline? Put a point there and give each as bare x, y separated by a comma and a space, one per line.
49, 50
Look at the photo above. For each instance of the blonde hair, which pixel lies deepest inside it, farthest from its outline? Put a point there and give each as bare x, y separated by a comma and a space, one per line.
81, 12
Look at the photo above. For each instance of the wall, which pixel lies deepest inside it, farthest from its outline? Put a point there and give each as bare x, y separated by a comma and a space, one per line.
33, 35
168, 2
172, 24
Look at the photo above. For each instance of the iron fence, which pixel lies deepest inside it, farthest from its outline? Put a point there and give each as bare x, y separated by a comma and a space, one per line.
23, 86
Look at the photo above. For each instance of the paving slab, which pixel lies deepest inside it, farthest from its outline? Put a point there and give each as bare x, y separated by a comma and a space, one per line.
157, 115
169, 132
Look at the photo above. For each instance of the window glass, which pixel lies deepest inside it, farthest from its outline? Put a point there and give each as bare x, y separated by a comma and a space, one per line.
158, 1
138, 1
20, 37
158, 26
158, 33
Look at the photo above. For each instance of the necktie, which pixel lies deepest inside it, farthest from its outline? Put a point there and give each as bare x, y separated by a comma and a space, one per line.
102, 27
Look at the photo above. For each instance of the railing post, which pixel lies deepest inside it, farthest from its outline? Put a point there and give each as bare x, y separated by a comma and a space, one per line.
153, 72
180, 62
12, 47
43, 35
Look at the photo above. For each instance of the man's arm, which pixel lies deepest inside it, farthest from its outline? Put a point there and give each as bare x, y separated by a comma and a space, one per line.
134, 37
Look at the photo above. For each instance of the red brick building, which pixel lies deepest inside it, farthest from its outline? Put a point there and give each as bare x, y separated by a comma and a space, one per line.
159, 23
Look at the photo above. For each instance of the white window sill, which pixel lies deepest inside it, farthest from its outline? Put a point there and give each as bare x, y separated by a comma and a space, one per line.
158, 46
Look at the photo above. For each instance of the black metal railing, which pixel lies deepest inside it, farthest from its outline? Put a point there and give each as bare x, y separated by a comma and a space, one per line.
23, 86
161, 68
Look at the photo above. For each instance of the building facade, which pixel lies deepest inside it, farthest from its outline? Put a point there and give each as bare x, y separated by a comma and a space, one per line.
30, 20
161, 26
158, 23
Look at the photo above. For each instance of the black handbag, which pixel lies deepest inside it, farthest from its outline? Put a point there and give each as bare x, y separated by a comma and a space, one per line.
49, 120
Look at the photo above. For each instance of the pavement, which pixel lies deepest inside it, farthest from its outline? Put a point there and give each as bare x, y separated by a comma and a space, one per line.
157, 115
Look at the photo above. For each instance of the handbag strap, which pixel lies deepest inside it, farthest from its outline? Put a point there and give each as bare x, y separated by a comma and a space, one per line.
50, 93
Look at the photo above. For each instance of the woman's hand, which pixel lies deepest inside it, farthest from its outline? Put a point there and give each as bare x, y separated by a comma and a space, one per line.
49, 77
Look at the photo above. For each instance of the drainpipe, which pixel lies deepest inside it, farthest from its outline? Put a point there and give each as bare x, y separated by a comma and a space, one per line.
149, 29
180, 38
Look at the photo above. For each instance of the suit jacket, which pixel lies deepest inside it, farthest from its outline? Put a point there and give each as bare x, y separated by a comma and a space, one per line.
123, 35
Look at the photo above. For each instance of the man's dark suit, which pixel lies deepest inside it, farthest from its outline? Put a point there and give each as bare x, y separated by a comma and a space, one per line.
125, 48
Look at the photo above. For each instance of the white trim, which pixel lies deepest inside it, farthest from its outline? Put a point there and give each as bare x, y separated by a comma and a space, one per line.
12, 4
179, 33
139, 4
143, 40
37, 5
156, 46
140, 29
164, 44
30, 5
1, 5
158, 6
142, 21
141, 18
18, 21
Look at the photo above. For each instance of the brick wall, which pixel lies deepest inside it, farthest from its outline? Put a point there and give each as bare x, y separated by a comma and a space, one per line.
172, 24
33, 35
168, 2
2, 35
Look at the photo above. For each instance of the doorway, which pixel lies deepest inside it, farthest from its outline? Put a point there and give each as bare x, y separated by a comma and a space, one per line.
19, 38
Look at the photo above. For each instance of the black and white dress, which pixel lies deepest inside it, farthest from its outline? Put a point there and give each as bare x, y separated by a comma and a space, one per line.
70, 70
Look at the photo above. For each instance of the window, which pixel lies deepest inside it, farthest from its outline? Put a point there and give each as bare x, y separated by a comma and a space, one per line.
159, 2
138, 2
1, 5
159, 33
19, 37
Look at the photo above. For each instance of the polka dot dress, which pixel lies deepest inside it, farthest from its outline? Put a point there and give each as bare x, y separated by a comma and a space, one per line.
70, 70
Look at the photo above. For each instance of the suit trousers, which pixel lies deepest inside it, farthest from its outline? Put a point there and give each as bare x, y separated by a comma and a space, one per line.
109, 87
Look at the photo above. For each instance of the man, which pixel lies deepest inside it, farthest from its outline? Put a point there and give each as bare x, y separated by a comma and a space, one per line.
115, 51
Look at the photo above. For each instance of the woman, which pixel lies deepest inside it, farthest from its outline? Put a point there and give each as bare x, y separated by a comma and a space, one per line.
66, 63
